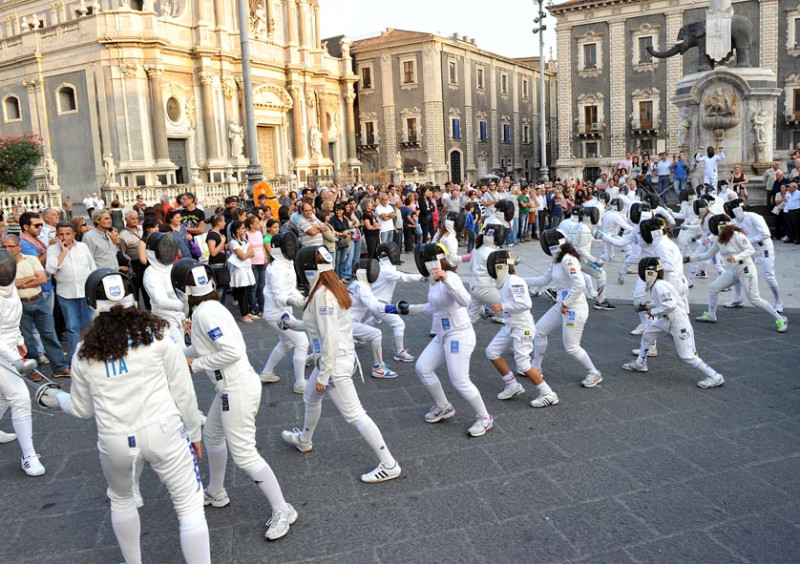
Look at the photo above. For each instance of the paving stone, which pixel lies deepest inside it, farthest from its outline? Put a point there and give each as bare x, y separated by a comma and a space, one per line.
520, 494
526, 539
451, 547
654, 466
737, 492
767, 540
584, 480
693, 547
673, 508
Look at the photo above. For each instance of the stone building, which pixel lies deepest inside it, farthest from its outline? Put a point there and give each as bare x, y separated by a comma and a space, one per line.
440, 108
615, 97
140, 93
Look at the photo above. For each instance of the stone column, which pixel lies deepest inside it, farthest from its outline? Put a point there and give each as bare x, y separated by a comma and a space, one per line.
302, 16
297, 122
219, 14
349, 98
209, 122
767, 37
669, 117
202, 11
159, 122
38, 109
564, 99
468, 134
318, 37
389, 137
270, 9
323, 122
291, 11
617, 100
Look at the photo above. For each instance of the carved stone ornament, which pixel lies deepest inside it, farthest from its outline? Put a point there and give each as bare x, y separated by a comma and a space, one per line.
129, 70
228, 87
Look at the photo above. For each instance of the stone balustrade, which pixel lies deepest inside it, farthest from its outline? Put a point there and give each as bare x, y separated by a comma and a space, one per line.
31, 201
209, 195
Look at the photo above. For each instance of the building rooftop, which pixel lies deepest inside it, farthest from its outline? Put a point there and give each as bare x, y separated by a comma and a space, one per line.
391, 35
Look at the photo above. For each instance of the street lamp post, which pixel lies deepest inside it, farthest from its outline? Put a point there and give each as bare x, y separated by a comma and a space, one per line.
544, 174
254, 171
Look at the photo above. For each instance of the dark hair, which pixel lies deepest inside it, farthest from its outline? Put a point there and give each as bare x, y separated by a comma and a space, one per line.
726, 233
248, 223
159, 211
235, 225
567, 249
25, 218
164, 228
171, 214
109, 334
217, 218
149, 223
271, 222
65, 225
283, 214
339, 206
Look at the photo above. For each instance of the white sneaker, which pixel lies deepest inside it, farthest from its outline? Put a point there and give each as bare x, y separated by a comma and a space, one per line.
31, 465
404, 356
42, 360
383, 372
437, 413
621, 279
278, 524
639, 329
301, 389
219, 500
711, 381
482, 424
652, 353
779, 307
635, 366
269, 377
7, 437
733, 303
293, 438
498, 319
545, 400
705, 318
592, 379
782, 325
511, 391
382, 474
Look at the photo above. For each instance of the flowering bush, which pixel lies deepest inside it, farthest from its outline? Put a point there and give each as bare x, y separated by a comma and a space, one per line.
18, 156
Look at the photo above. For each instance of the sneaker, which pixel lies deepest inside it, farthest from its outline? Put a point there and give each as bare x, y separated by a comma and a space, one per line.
733, 303
31, 465
437, 413
358, 341
701, 274
269, 377
404, 356
705, 318
635, 366
785, 239
382, 474
278, 524
535, 293
551, 294
604, 305
652, 353
711, 381
592, 379
545, 401
497, 319
510, 245
293, 438
639, 329
621, 278
779, 307
383, 372
310, 359
782, 325
43, 360
301, 389
511, 391
219, 500
482, 424
7, 437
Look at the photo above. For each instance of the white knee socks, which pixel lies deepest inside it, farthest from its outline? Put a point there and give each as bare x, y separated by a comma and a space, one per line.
23, 427
217, 462
583, 357
377, 353
476, 402
434, 387
194, 543
299, 366
266, 480
313, 413
399, 345
369, 430
127, 529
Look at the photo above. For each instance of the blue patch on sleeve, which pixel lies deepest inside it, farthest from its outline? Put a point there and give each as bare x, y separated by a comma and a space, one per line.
326, 310
453, 347
215, 333
445, 324
317, 348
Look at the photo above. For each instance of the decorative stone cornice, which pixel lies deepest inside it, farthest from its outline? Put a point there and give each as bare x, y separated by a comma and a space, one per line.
206, 77
154, 71
129, 70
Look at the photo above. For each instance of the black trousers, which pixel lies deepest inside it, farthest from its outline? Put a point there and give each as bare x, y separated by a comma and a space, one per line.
242, 296
794, 226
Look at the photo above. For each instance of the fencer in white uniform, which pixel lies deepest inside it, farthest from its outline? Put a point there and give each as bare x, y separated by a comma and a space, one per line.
668, 316
711, 163
691, 230
219, 350
614, 223
12, 350
757, 232
454, 341
161, 252
483, 288
129, 374
579, 233
453, 224
383, 288
570, 311
280, 295
737, 253
517, 333
704, 211
327, 320
364, 302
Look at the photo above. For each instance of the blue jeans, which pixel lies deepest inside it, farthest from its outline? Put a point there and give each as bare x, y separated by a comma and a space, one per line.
77, 315
679, 184
40, 315
257, 290
522, 232
386, 236
470, 240
354, 256
663, 187
511, 238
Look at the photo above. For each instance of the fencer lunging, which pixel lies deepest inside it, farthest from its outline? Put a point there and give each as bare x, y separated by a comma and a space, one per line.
327, 320
454, 340
570, 311
280, 295
130, 375
13, 390
219, 350
668, 315
517, 333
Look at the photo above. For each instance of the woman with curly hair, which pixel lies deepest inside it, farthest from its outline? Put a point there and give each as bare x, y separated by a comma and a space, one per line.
129, 374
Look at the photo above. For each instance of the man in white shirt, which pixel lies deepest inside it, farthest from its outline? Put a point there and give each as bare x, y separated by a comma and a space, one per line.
50, 219
386, 215
663, 168
70, 262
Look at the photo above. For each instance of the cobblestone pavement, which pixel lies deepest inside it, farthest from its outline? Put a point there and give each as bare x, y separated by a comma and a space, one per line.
644, 468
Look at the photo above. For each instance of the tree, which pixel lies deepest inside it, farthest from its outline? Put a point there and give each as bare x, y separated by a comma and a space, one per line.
18, 156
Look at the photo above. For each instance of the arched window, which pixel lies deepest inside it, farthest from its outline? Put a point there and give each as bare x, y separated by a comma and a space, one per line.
66, 99
12, 111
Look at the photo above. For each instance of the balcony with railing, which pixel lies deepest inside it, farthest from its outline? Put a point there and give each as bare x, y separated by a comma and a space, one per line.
590, 130
644, 126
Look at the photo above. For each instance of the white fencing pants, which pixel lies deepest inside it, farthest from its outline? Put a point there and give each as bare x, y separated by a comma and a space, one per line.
482, 296
288, 340
518, 339
572, 324
374, 336
396, 323
682, 333
746, 274
765, 262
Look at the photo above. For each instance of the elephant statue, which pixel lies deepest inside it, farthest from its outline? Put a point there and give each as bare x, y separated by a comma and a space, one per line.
693, 34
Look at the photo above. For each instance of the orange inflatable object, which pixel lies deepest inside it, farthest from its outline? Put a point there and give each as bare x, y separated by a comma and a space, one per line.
263, 188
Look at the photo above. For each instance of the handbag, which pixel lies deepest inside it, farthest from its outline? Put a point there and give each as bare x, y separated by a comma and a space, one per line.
194, 249
776, 210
